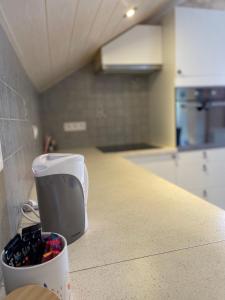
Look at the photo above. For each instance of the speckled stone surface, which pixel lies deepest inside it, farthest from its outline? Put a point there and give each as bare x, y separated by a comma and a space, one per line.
190, 274
147, 239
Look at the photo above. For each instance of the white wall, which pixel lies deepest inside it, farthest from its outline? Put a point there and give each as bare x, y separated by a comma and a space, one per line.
162, 92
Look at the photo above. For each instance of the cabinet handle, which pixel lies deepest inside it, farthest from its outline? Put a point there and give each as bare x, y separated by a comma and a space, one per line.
205, 154
179, 72
204, 168
174, 156
205, 194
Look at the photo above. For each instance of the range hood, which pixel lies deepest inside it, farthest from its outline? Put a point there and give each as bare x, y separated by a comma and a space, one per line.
138, 50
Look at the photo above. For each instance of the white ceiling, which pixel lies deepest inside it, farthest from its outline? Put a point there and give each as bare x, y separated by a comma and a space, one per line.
53, 38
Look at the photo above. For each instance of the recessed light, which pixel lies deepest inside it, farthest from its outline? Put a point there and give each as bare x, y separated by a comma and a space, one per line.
130, 13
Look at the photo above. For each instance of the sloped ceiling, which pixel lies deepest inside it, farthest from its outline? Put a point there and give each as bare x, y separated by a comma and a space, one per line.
54, 38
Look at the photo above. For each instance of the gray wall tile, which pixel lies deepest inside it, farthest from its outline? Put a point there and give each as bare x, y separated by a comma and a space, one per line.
19, 109
115, 108
5, 231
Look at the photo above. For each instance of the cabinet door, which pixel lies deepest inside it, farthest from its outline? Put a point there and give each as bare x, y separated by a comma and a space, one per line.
200, 42
191, 157
214, 155
216, 196
215, 168
190, 175
215, 174
198, 191
163, 165
164, 168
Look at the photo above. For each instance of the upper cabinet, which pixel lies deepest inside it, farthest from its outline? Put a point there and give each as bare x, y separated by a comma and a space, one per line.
199, 47
138, 50
193, 43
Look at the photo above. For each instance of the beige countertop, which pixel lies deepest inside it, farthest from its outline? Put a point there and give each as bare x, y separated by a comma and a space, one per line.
147, 238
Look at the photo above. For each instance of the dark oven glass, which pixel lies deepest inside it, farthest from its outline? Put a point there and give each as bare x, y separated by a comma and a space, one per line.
200, 116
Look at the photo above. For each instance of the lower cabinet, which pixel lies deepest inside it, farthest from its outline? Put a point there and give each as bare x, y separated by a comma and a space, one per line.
199, 172
216, 196
190, 173
199, 191
203, 174
190, 176
164, 167
215, 174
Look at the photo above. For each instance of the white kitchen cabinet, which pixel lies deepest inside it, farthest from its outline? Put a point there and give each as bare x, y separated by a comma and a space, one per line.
190, 157
200, 45
141, 45
214, 168
216, 196
215, 174
200, 172
199, 191
163, 165
165, 168
193, 42
203, 174
214, 155
190, 175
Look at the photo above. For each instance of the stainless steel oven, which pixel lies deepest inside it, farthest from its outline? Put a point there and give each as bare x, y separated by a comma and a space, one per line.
200, 117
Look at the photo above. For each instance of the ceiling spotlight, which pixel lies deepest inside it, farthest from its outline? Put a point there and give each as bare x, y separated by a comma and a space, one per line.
131, 12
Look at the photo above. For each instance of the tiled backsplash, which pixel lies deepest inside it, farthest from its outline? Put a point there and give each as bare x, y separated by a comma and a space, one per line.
115, 108
18, 112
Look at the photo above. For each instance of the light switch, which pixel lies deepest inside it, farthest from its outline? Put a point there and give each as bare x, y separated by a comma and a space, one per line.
1, 158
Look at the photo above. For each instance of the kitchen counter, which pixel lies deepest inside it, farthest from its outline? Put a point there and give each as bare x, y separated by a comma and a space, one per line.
147, 238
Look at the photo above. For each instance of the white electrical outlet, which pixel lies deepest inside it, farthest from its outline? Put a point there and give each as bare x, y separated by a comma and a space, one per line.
75, 126
1, 158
